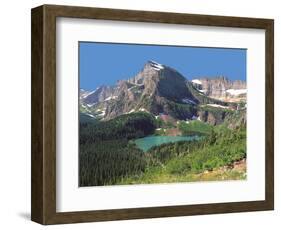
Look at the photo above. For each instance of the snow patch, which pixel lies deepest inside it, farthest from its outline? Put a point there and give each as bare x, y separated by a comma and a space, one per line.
157, 69
194, 118
90, 115
91, 105
85, 107
136, 84
155, 65
196, 81
129, 89
110, 98
131, 111
188, 101
218, 106
89, 93
102, 113
135, 87
143, 110
236, 92
202, 91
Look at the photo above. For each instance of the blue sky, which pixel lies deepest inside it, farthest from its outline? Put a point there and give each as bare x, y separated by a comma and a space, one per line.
105, 63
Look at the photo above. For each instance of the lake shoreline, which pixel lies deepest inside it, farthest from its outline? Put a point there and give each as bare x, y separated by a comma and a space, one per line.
146, 143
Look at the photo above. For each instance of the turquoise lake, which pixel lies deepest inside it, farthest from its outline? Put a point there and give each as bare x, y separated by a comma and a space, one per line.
146, 143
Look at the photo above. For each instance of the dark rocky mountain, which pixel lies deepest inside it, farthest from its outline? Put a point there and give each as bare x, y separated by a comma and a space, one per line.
160, 89
222, 88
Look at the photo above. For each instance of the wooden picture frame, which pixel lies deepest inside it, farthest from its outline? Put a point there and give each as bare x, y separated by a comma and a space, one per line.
43, 207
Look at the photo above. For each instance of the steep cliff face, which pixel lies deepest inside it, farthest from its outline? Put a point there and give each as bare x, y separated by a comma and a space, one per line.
222, 88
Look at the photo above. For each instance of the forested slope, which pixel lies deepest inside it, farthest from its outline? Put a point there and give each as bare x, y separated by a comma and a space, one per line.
105, 152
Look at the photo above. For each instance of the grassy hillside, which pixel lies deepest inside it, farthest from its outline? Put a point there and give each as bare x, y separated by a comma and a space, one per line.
194, 127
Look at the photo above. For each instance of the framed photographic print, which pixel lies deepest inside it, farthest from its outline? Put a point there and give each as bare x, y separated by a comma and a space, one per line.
140, 114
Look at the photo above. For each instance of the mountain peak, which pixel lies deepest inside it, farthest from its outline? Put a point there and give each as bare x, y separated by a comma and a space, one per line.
158, 88
155, 65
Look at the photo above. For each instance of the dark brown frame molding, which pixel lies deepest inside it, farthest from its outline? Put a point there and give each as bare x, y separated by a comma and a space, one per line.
43, 159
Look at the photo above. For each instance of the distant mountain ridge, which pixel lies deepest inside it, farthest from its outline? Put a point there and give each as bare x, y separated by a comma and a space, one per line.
159, 89
222, 88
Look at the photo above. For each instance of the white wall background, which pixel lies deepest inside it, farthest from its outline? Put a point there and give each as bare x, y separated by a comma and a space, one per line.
15, 113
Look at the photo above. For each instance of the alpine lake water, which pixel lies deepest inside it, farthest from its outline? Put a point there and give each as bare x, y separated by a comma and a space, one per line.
148, 142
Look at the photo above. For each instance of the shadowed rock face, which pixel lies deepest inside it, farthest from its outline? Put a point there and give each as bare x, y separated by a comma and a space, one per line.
222, 88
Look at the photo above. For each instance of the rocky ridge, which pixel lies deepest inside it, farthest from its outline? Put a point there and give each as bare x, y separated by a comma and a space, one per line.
222, 88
